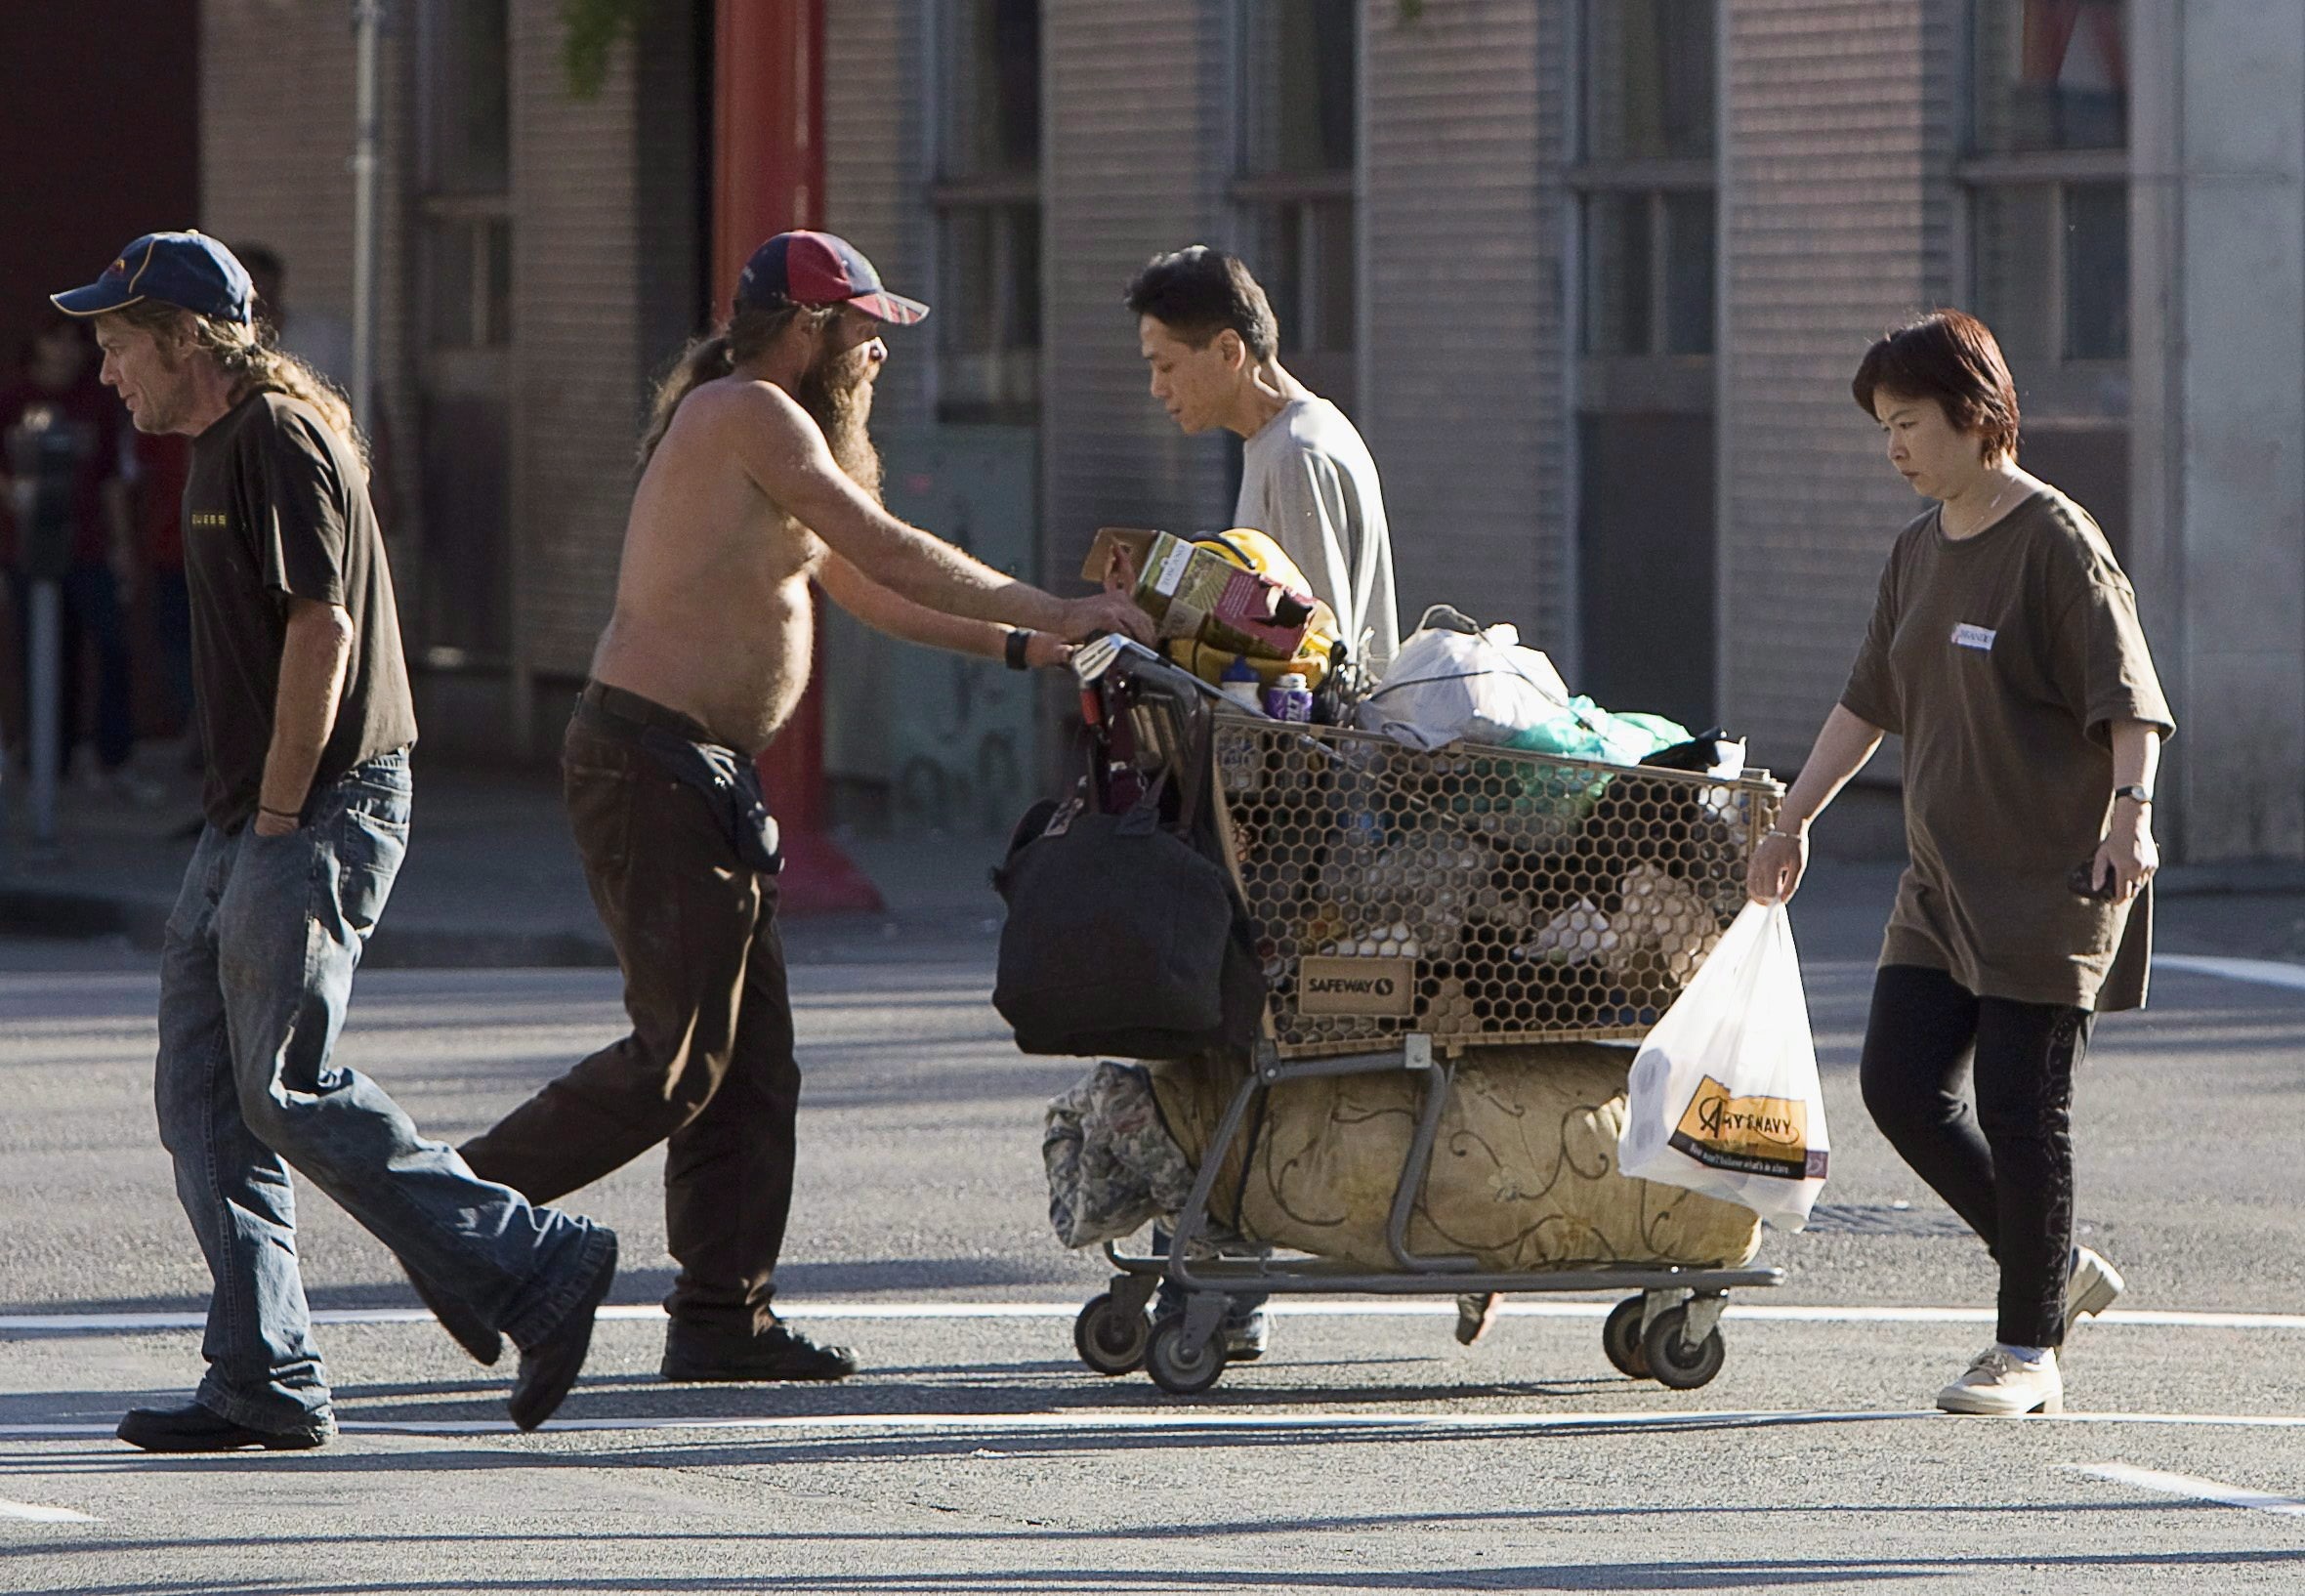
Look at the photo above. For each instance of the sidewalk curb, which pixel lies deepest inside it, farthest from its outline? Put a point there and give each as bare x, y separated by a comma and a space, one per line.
47, 911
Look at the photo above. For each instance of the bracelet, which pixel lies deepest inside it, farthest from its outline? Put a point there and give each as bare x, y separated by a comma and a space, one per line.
279, 814
1789, 836
1019, 639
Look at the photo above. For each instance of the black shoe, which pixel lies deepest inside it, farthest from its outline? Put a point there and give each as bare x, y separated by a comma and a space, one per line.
194, 1428
550, 1368
777, 1353
471, 1333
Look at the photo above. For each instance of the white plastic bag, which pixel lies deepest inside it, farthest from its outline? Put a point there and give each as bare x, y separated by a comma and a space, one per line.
1479, 686
1723, 1097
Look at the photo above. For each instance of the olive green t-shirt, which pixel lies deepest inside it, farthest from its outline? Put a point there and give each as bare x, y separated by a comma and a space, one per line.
277, 508
2002, 660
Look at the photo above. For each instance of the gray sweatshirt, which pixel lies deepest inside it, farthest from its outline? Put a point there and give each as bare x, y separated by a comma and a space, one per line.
1308, 483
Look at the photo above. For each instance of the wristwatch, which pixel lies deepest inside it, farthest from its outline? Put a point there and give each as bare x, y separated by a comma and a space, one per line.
2138, 790
1019, 639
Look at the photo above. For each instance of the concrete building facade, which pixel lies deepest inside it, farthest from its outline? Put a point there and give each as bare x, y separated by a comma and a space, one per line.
1591, 276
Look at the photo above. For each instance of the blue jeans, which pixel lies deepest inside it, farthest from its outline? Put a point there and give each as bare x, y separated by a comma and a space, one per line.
254, 979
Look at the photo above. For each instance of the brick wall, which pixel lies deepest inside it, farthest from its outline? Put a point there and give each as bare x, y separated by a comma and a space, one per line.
275, 169
576, 355
1136, 145
875, 191
1460, 393
1836, 205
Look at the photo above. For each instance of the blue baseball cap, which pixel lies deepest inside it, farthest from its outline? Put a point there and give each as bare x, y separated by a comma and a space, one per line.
189, 270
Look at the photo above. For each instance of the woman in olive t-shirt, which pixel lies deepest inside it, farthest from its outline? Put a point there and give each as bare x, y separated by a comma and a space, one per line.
2004, 649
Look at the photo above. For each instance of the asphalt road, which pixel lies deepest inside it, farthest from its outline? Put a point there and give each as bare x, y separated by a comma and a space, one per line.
1368, 1453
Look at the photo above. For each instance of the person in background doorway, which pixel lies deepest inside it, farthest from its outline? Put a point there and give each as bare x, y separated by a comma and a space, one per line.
57, 394
323, 342
1209, 335
319, 340
2005, 649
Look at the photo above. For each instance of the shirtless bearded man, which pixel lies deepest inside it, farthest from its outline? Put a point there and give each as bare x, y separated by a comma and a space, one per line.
756, 477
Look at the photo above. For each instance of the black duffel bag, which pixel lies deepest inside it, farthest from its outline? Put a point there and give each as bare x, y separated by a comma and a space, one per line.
1122, 938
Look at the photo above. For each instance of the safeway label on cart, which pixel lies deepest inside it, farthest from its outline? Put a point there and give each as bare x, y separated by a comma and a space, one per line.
1384, 987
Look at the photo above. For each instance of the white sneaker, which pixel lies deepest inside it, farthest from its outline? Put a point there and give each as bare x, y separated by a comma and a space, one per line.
2091, 1287
1998, 1383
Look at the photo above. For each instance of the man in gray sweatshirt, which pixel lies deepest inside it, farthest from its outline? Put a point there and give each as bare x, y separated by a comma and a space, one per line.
1208, 332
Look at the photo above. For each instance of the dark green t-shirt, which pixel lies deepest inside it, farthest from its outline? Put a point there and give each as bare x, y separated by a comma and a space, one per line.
2002, 659
275, 507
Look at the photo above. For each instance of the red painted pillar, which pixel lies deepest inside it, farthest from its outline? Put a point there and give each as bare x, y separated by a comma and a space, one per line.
767, 178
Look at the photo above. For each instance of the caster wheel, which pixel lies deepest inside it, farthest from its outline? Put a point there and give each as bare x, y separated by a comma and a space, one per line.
1177, 1371
1675, 1362
1108, 1339
1620, 1340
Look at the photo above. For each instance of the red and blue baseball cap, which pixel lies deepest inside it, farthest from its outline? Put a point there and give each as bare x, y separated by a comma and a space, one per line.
189, 270
819, 268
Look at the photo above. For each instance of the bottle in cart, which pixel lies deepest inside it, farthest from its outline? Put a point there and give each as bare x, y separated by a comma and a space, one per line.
1240, 683
1290, 699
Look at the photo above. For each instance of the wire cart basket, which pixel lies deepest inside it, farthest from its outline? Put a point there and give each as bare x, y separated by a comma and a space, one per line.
1409, 907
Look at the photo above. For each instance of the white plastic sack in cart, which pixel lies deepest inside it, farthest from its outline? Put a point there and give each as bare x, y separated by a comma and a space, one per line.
1446, 683
1723, 1097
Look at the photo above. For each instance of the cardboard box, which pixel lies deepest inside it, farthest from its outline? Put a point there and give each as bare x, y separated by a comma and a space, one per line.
1197, 593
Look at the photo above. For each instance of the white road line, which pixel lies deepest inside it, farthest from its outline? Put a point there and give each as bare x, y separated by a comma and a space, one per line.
2260, 972
2186, 1485
1351, 1308
41, 1515
1181, 1420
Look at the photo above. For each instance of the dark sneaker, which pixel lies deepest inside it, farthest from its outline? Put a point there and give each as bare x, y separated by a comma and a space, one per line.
550, 1368
471, 1333
1476, 1313
694, 1353
194, 1428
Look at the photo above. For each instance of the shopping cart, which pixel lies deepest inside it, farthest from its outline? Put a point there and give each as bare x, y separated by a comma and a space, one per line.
1407, 907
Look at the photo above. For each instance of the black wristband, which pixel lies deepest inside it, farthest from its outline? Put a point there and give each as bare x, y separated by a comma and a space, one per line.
1019, 639
279, 814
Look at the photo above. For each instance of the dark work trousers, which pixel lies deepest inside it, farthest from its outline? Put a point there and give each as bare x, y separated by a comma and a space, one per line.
2005, 1168
708, 1066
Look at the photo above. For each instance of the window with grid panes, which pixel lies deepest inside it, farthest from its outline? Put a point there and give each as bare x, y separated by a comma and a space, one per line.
987, 203
1645, 180
1648, 176
464, 271
1298, 143
2049, 212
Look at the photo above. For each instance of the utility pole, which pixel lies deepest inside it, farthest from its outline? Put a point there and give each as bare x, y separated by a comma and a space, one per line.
367, 29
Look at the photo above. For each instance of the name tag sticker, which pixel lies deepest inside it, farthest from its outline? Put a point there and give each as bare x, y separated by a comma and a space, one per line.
1966, 636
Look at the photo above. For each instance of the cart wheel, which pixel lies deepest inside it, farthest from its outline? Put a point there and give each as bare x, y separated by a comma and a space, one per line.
1175, 1369
1110, 1339
1673, 1360
1620, 1340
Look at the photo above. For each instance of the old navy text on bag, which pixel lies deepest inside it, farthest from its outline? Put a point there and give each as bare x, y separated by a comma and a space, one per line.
1723, 1097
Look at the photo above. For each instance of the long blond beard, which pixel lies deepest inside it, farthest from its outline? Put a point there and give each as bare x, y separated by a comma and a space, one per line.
834, 391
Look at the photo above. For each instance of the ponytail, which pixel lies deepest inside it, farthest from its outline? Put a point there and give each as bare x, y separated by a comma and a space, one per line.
701, 362
746, 336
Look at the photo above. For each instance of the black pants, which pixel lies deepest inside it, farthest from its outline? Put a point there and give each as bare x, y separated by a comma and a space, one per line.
708, 1066
2006, 1167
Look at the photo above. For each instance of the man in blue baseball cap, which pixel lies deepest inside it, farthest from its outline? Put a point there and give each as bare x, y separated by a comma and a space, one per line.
304, 709
757, 476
